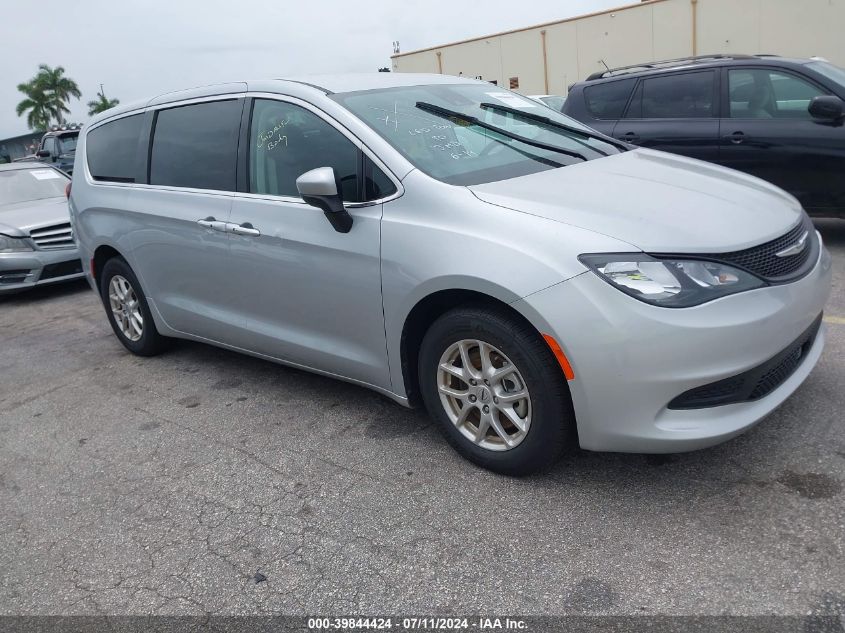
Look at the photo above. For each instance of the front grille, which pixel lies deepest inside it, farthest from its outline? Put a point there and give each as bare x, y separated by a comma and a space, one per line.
53, 237
763, 261
62, 269
755, 383
776, 375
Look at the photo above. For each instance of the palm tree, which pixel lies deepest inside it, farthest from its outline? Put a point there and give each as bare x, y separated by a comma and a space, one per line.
36, 105
58, 88
102, 103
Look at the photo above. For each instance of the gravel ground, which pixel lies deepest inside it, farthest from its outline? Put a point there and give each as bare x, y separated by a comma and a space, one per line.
202, 481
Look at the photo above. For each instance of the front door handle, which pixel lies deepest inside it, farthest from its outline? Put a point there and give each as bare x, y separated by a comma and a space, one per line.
243, 229
211, 223
736, 138
630, 137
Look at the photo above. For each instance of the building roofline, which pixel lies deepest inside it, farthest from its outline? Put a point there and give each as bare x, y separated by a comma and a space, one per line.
528, 28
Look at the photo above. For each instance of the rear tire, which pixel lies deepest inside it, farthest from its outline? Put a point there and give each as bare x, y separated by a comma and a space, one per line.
496, 390
128, 311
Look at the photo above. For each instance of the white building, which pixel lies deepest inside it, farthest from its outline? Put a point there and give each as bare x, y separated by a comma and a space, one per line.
547, 58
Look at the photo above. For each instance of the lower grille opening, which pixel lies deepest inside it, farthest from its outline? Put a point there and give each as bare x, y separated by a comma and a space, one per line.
62, 269
13, 276
755, 383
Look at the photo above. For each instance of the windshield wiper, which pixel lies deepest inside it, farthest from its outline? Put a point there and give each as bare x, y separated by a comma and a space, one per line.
452, 114
539, 118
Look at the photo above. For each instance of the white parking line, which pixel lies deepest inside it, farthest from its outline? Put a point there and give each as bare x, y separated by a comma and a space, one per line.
835, 320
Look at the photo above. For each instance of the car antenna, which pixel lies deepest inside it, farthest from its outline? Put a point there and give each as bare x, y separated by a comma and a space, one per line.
601, 61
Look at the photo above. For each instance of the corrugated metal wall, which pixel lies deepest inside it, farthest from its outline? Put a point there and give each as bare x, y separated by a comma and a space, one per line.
653, 30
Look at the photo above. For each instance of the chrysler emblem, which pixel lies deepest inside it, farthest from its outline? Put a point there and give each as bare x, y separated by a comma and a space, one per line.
796, 248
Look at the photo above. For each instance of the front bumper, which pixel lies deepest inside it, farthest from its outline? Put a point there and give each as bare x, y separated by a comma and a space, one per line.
21, 271
632, 359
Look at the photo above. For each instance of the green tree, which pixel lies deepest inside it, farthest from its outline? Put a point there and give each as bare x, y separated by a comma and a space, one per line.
36, 105
102, 103
58, 88
47, 95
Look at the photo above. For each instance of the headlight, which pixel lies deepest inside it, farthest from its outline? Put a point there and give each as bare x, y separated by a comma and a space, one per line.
670, 283
13, 244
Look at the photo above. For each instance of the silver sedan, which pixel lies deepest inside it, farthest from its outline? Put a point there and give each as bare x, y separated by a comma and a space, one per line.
36, 239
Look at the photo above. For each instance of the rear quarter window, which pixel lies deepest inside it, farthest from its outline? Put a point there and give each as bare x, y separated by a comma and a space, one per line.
112, 148
608, 100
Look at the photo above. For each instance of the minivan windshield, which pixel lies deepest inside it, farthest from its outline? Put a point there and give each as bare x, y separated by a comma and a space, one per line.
467, 134
834, 73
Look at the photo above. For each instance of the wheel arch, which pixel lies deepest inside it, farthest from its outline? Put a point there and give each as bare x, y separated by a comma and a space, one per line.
426, 311
102, 254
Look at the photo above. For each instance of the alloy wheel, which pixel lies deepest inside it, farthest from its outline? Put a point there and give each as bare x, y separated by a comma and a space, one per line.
126, 308
484, 395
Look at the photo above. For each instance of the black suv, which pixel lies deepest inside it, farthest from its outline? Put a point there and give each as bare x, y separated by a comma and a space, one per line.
777, 118
58, 147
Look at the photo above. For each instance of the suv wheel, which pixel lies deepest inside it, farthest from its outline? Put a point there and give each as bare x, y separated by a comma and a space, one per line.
496, 390
128, 311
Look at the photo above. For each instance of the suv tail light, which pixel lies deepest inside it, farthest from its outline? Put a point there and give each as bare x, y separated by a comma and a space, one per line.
67, 189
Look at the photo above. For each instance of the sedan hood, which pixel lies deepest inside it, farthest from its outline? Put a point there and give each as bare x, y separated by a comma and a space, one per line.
655, 201
19, 219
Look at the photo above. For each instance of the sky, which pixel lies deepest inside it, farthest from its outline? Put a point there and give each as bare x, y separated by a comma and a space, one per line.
142, 48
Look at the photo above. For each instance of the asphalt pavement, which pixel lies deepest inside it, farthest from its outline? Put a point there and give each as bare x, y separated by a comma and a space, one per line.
202, 481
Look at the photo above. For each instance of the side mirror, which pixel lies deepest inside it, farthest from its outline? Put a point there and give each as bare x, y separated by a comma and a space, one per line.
318, 188
43, 153
827, 108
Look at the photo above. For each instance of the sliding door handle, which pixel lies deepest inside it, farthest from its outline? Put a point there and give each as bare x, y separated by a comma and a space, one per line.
243, 229
211, 223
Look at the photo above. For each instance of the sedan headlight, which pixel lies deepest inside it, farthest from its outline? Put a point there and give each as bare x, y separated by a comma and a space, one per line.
670, 283
13, 245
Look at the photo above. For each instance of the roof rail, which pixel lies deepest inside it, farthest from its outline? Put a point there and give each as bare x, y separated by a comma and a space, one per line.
623, 70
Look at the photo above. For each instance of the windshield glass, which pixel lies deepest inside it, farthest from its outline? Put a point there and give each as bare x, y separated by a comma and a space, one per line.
465, 153
67, 144
555, 103
23, 185
830, 71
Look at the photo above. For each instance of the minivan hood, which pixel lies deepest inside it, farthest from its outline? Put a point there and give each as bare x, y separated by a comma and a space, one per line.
20, 218
658, 202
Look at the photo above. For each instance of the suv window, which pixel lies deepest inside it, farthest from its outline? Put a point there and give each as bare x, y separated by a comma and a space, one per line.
111, 149
196, 145
608, 100
50, 145
286, 140
677, 96
67, 143
769, 94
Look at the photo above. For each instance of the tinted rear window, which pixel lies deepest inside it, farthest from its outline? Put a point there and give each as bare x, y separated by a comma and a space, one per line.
196, 146
608, 101
111, 149
681, 96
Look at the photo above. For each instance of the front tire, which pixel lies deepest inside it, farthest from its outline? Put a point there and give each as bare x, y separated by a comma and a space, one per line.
496, 390
128, 311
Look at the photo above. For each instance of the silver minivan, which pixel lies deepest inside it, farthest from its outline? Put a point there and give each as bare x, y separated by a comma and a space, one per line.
531, 282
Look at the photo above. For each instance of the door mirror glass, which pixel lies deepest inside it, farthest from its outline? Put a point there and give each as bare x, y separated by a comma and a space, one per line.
318, 187
827, 108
